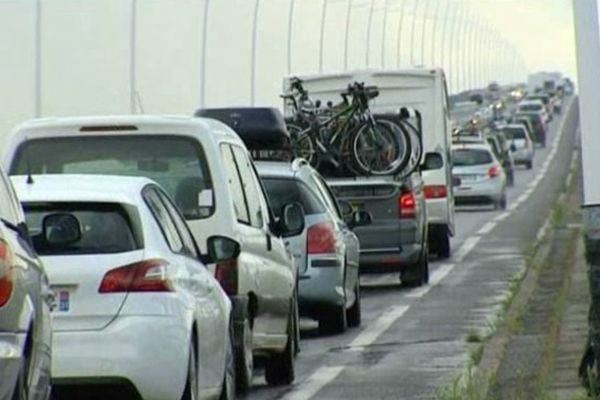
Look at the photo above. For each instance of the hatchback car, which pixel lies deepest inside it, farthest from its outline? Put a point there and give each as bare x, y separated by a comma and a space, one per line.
132, 296
25, 298
482, 179
205, 167
538, 132
521, 144
536, 106
327, 252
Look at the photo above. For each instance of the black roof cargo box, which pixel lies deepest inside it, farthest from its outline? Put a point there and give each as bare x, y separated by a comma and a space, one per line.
260, 128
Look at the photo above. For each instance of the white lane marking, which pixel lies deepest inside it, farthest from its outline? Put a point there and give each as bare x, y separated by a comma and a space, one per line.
502, 216
436, 277
369, 335
314, 383
466, 248
487, 228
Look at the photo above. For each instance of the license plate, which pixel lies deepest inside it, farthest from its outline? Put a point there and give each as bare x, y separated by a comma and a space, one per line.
62, 301
468, 178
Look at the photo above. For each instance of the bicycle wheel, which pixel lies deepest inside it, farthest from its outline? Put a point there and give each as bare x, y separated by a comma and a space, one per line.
378, 150
302, 144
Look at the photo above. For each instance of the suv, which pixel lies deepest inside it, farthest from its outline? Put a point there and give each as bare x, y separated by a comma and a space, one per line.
327, 251
205, 167
25, 298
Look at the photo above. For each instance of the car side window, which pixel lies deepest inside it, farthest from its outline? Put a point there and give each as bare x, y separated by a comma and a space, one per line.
327, 196
189, 245
250, 186
235, 185
161, 215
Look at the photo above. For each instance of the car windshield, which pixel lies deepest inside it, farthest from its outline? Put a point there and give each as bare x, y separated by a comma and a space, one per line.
471, 157
530, 107
282, 191
106, 228
178, 164
514, 133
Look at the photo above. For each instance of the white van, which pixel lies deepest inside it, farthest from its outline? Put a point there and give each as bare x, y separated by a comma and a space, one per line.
425, 91
205, 167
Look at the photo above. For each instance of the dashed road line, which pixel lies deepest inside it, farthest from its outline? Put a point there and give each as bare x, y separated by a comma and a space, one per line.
436, 277
369, 335
314, 383
487, 228
468, 245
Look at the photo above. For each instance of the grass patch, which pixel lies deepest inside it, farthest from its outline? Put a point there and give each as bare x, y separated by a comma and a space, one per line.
473, 336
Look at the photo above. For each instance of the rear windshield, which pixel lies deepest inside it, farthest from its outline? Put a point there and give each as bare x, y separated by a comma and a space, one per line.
106, 228
514, 133
468, 157
530, 107
281, 191
178, 164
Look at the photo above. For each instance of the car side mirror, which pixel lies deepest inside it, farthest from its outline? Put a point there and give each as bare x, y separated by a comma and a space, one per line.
292, 221
432, 161
222, 248
21, 229
513, 148
61, 229
346, 209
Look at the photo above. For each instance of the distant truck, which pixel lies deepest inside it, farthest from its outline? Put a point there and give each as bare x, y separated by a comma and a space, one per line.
546, 81
423, 90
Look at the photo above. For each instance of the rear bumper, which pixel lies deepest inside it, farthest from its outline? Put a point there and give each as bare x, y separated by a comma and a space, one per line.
437, 211
521, 156
490, 190
322, 284
391, 261
148, 352
11, 349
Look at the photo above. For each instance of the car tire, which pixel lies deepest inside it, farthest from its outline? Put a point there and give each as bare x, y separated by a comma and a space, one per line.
191, 385
244, 360
354, 314
20, 391
279, 368
443, 243
511, 178
296, 325
529, 164
503, 202
419, 274
333, 321
228, 391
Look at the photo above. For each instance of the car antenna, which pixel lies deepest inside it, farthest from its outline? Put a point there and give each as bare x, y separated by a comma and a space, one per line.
28, 161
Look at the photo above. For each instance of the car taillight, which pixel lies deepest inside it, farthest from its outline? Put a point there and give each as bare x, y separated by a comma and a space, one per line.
407, 205
7, 280
494, 171
320, 238
143, 276
435, 191
226, 273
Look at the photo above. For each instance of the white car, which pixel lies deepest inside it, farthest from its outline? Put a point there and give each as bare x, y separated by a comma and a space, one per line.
521, 144
482, 178
135, 308
534, 105
207, 170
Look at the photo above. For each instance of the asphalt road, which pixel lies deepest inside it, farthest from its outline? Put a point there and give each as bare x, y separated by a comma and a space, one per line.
413, 341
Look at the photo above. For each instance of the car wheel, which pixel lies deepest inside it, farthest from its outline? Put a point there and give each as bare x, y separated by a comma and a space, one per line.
353, 316
529, 164
419, 274
244, 360
191, 386
20, 392
279, 368
511, 178
333, 321
502, 203
296, 326
443, 244
228, 390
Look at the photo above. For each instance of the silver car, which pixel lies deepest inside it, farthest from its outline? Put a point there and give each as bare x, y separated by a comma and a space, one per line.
25, 331
326, 252
522, 147
482, 178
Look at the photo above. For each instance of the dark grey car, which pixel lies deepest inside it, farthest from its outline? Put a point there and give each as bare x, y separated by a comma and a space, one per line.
393, 227
25, 331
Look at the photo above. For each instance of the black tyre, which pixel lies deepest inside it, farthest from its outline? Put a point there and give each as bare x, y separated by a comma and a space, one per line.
228, 391
244, 360
191, 386
501, 203
303, 145
418, 275
20, 391
333, 321
529, 164
443, 243
353, 314
511, 178
279, 368
377, 150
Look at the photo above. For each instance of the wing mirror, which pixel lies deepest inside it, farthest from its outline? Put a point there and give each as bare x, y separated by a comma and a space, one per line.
222, 248
61, 229
513, 148
432, 161
292, 221
456, 181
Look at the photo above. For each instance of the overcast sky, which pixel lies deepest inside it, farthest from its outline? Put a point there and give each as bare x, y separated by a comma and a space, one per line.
86, 48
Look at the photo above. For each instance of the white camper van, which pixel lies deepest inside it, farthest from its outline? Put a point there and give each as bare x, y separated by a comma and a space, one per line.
425, 91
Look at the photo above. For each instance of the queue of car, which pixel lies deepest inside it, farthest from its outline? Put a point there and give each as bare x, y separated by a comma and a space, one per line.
171, 237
